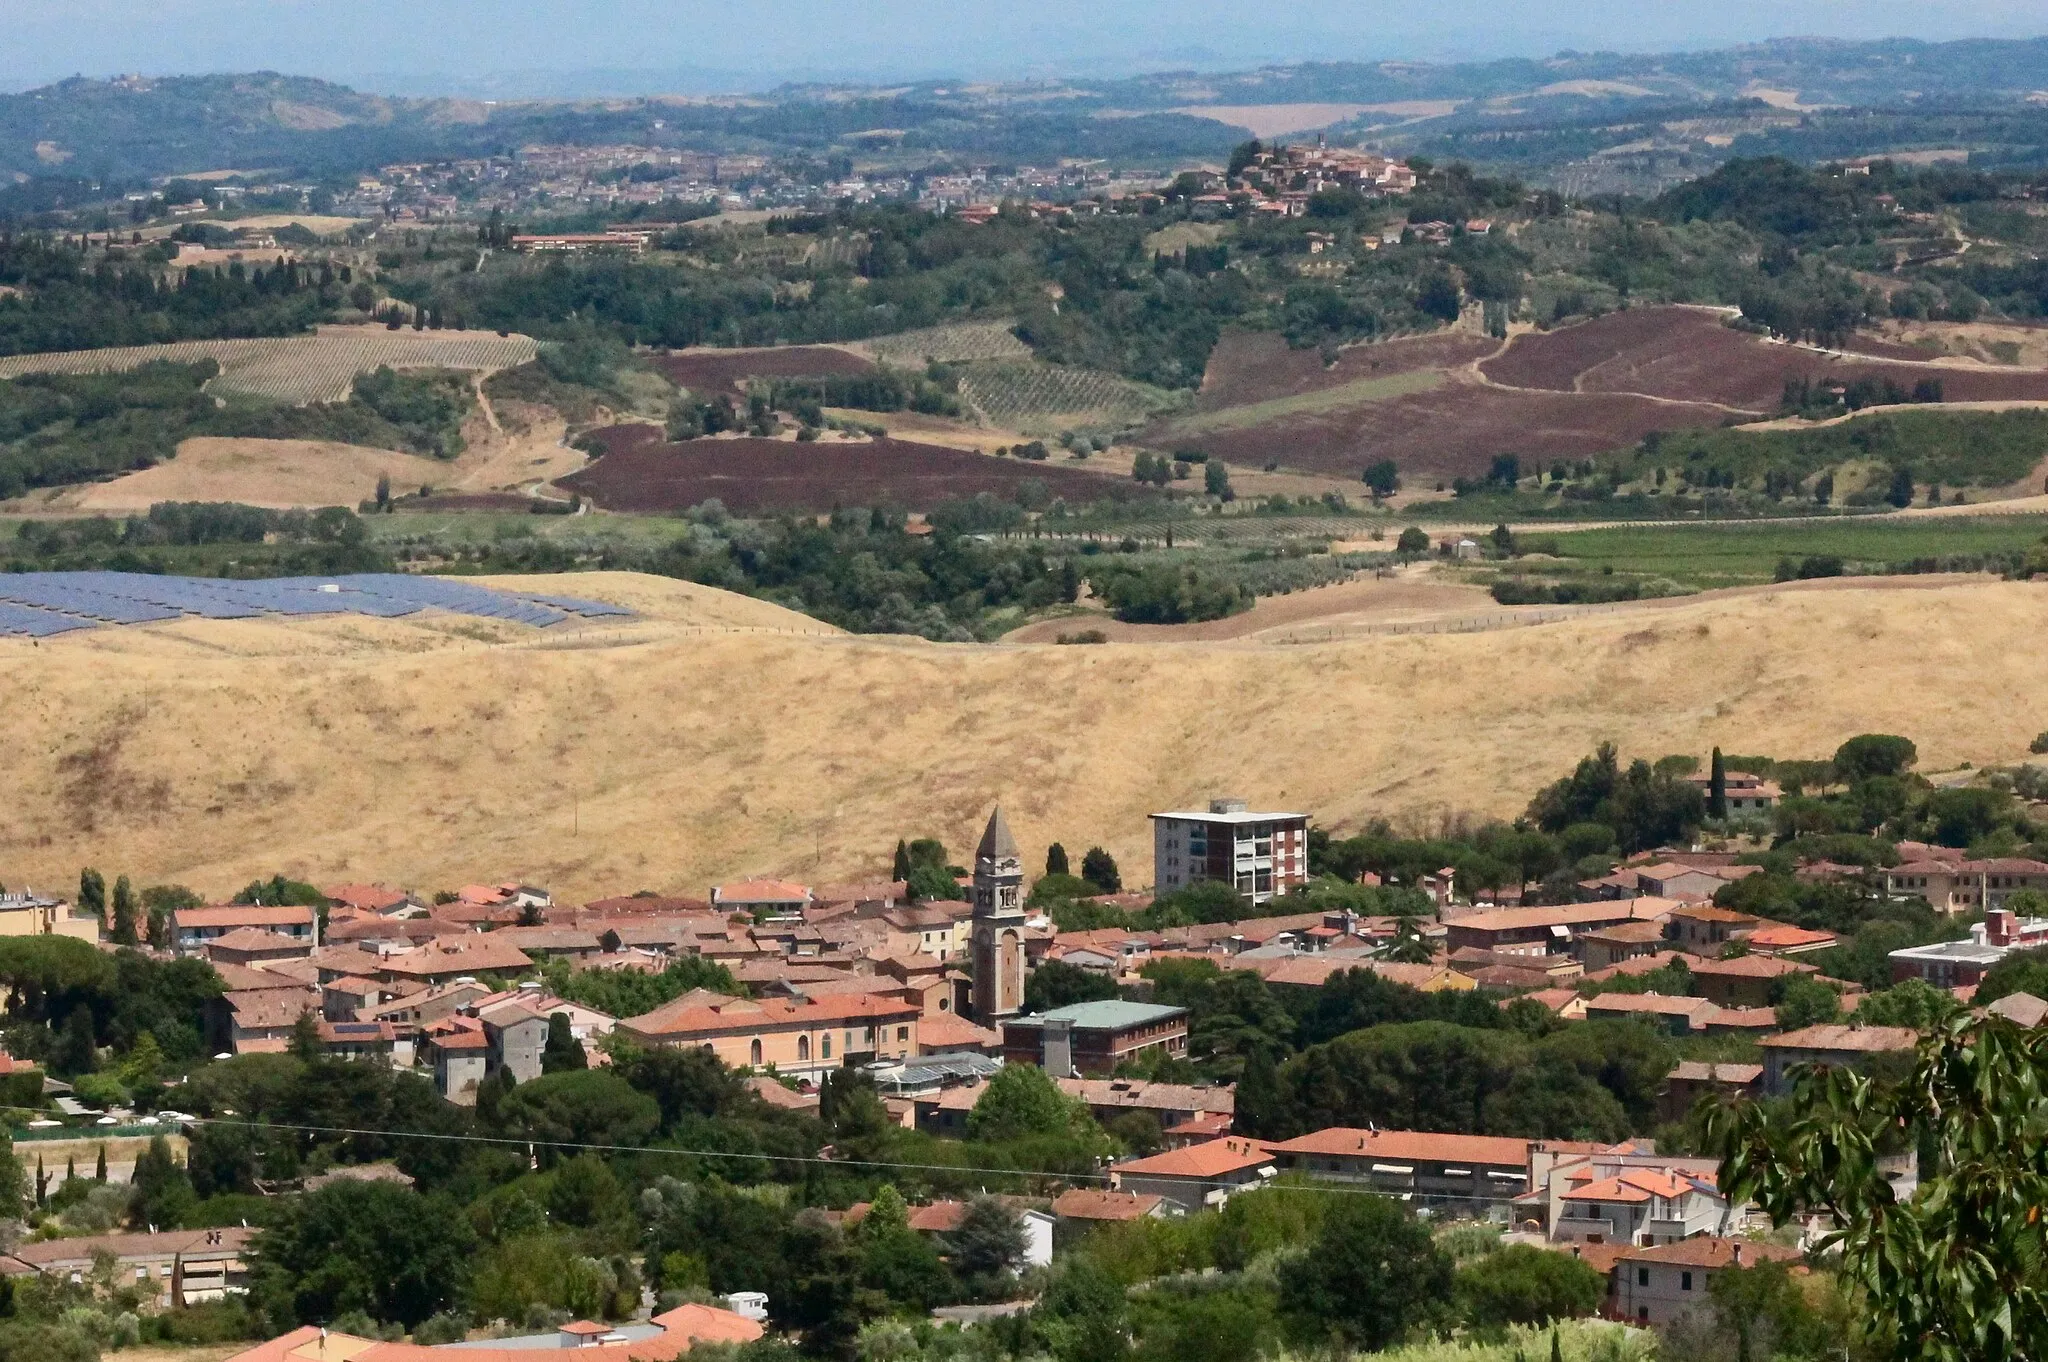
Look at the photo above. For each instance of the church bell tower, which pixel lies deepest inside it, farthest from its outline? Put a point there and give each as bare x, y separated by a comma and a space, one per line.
998, 926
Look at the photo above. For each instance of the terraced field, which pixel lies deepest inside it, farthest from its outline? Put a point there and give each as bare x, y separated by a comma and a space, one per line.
965, 343
1044, 398
297, 369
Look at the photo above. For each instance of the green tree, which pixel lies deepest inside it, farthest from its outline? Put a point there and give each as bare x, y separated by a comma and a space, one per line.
1874, 754
580, 1107
900, 868
1911, 1002
562, 1051
1055, 859
1805, 1001
92, 893
2019, 972
587, 1195
1414, 540
1216, 480
1021, 1100
990, 1240
126, 914
1717, 786
160, 1195
1371, 1276
1521, 1284
377, 1247
1954, 1273
1057, 984
1098, 867
1384, 478
159, 903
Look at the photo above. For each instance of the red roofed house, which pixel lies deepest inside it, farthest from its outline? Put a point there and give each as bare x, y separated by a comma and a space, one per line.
1835, 1044
661, 1339
254, 945
760, 896
1094, 1206
194, 927
1641, 1206
1658, 1285
1704, 929
809, 1037
376, 899
1453, 1169
1538, 931
1775, 938
1694, 1079
446, 958
1965, 886
1746, 980
1199, 1176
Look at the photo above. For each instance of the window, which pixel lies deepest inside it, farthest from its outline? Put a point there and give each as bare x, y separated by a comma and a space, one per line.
825, 1046
803, 1048
1642, 1276
754, 1052
903, 1033
1685, 1281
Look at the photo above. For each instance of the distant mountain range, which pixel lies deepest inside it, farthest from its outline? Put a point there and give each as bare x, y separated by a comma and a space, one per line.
131, 129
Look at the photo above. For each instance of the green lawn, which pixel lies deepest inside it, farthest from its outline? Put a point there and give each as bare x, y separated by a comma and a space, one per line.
1710, 555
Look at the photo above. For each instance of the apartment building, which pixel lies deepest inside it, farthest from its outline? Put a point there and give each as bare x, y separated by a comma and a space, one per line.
1262, 854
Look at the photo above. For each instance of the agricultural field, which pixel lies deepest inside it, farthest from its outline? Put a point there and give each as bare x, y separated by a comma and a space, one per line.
1702, 557
707, 371
963, 343
1249, 367
1044, 399
298, 369
1687, 354
643, 473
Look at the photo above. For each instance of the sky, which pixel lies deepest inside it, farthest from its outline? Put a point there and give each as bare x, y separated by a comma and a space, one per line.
557, 47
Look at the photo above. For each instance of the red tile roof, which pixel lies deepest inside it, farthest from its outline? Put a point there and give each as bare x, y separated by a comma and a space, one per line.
1349, 1142
1710, 1251
1834, 1036
1092, 1203
242, 915
1210, 1160
686, 1018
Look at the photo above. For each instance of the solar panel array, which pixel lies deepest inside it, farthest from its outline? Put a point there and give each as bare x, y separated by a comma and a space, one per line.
41, 604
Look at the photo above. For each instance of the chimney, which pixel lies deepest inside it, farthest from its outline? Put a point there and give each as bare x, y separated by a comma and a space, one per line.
1059, 1047
1736, 1255
2001, 926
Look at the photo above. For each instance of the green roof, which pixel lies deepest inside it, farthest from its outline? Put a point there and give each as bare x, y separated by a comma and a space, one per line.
1109, 1014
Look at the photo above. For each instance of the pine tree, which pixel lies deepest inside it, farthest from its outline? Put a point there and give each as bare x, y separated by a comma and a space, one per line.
92, 893
1098, 867
126, 912
1717, 787
900, 870
1056, 860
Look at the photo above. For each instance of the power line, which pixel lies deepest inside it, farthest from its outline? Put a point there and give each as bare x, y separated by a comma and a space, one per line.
594, 1148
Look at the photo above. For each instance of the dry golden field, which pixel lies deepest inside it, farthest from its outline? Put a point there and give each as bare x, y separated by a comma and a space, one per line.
719, 736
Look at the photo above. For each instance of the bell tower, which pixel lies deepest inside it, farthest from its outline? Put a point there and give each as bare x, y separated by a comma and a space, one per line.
998, 925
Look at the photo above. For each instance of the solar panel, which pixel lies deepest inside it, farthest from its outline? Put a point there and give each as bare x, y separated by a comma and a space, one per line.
43, 603
22, 619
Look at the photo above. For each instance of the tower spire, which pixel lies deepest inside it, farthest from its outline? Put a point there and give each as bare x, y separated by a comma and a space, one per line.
996, 842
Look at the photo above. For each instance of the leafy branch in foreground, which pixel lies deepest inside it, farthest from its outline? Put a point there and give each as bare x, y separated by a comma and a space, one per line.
1959, 1271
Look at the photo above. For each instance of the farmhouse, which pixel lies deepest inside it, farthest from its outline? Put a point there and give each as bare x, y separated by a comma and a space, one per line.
1658, 1285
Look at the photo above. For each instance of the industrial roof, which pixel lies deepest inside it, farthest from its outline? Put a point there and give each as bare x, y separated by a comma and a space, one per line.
1107, 1014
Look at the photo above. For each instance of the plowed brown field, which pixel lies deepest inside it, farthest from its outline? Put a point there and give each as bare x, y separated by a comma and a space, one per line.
642, 472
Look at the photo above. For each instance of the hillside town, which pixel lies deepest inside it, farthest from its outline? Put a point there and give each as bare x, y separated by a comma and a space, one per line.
937, 992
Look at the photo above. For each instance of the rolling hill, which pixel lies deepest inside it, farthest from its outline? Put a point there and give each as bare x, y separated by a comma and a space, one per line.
719, 735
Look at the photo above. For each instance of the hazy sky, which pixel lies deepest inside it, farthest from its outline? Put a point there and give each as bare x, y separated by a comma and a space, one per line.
423, 43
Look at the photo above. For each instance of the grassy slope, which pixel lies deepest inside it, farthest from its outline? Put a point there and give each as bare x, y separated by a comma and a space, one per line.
430, 752
1731, 554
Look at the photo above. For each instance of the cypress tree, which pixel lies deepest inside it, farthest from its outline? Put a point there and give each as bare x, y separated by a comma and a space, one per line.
1056, 860
92, 893
125, 913
99, 1168
1717, 787
901, 869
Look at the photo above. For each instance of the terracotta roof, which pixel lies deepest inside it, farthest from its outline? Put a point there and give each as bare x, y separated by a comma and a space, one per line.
871, 891
1651, 1004
1835, 1036
1697, 1071
754, 1014
1707, 912
1708, 1250
1142, 1095
472, 954
633, 904
241, 915
775, 1095
1092, 1203
1629, 933
940, 1217
1636, 1185
950, 1031
240, 978
1642, 964
548, 938
1349, 1142
2023, 1009
483, 893
1753, 967
1778, 936
760, 891
256, 939
1565, 914
1210, 1160
374, 897
270, 1007
47, 1253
